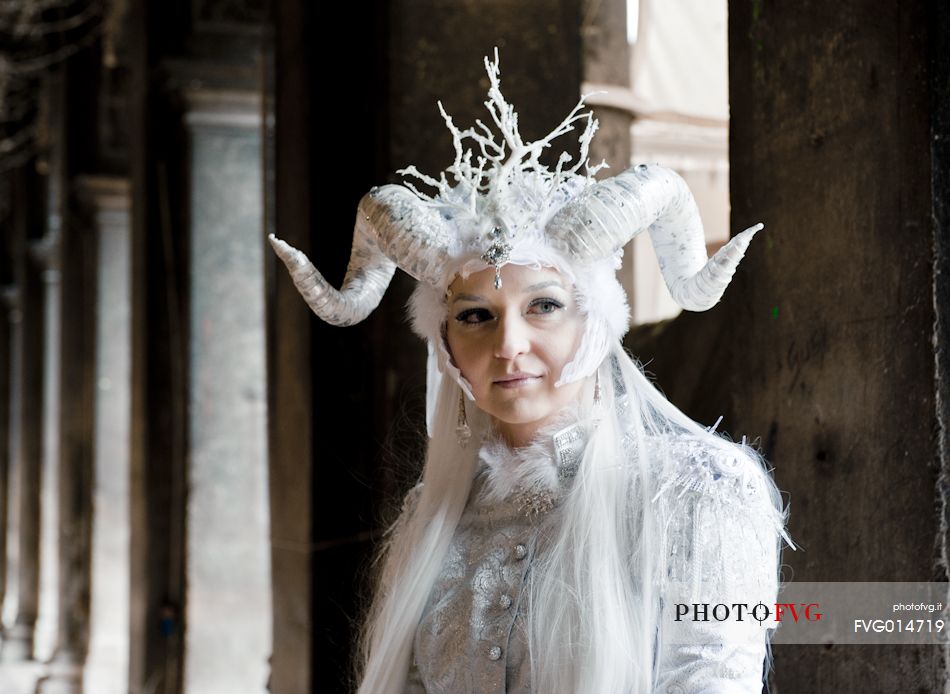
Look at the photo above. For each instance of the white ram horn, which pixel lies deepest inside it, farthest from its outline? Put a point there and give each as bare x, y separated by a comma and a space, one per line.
703, 290
606, 215
391, 229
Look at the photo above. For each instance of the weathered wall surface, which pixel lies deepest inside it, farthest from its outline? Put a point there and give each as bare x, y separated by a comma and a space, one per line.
824, 344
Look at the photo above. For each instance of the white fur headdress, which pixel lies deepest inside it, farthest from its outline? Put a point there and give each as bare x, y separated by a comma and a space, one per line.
504, 206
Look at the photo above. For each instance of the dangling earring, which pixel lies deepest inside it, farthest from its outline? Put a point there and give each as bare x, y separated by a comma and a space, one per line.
462, 430
597, 410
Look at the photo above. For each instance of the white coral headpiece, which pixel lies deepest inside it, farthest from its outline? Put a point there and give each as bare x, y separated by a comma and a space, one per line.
504, 206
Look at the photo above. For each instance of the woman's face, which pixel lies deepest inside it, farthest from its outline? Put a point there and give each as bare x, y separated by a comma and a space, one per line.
511, 344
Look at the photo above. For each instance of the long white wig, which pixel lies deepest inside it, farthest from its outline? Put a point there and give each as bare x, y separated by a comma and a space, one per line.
593, 622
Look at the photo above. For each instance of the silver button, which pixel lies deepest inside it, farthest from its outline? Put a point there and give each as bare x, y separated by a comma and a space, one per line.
505, 601
494, 652
521, 551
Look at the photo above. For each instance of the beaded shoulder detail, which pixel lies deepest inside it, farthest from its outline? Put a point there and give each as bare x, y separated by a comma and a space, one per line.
686, 464
691, 471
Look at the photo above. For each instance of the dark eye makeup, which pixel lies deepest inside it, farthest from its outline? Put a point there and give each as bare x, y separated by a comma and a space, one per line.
475, 316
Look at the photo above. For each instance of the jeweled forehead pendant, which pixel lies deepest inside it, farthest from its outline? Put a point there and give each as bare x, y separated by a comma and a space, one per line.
498, 252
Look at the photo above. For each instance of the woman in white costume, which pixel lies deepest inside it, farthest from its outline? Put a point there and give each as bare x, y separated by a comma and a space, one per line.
570, 523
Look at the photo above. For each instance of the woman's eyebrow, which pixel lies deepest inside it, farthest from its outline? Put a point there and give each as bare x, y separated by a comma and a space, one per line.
467, 297
543, 285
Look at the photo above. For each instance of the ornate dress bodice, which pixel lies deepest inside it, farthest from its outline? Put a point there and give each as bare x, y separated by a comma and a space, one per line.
720, 534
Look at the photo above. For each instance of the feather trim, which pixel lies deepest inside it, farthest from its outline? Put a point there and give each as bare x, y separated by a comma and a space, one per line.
529, 473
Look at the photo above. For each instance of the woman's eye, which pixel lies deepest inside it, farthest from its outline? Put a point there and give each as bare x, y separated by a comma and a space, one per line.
473, 316
546, 306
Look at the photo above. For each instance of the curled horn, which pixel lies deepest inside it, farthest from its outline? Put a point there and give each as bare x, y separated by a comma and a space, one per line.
606, 215
392, 229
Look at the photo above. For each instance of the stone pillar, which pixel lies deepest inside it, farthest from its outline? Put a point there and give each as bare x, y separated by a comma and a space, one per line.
6, 376
18, 638
78, 273
107, 665
48, 619
290, 389
228, 606
45, 636
17, 675
158, 248
13, 323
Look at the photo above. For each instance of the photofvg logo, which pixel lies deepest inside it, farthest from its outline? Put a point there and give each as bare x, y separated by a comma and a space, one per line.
827, 612
763, 613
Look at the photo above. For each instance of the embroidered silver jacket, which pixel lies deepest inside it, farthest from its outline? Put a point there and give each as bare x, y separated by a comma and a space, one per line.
721, 547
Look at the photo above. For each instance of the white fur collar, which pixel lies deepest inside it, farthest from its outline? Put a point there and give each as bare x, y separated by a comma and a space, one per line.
534, 475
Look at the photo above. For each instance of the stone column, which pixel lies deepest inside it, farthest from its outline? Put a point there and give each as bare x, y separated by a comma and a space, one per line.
6, 374
45, 632
18, 638
48, 618
107, 664
12, 319
228, 606
77, 336
290, 399
17, 674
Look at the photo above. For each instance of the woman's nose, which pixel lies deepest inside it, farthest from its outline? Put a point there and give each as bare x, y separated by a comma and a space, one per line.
512, 337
